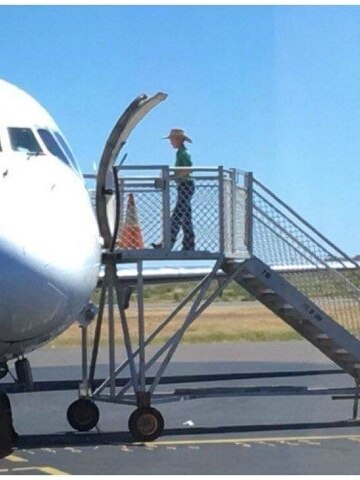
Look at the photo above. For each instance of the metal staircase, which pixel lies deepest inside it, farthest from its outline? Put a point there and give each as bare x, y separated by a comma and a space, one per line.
301, 276
256, 240
250, 234
298, 311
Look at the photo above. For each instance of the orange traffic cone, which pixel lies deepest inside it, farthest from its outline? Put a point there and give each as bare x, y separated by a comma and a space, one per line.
130, 234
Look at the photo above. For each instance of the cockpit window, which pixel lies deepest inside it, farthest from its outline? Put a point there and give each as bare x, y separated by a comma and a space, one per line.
56, 145
66, 149
23, 140
52, 145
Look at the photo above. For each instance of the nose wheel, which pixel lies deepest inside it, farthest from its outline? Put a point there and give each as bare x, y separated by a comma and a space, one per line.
4, 370
83, 415
146, 424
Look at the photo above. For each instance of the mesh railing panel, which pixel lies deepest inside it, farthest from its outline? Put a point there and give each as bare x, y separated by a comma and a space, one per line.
140, 219
204, 215
217, 211
193, 222
305, 259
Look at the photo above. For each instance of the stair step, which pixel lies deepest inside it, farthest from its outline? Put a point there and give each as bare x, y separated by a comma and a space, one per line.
341, 351
293, 314
247, 276
322, 336
286, 306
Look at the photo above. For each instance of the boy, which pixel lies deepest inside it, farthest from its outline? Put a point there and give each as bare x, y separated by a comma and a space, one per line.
181, 216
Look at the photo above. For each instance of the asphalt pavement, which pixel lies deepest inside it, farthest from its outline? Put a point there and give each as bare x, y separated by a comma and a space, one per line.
231, 435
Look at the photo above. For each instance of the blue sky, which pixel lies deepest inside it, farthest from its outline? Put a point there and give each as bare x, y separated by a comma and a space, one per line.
274, 90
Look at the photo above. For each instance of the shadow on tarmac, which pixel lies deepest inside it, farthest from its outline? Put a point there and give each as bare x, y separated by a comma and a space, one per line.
69, 439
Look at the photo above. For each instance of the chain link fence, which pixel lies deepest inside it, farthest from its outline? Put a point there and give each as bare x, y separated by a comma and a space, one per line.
203, 212
141, 214
195, 218
305, 258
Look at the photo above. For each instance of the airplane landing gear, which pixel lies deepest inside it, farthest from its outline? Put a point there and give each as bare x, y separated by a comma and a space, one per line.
4, 370
8, 436
146, 424
23, 372
83, 415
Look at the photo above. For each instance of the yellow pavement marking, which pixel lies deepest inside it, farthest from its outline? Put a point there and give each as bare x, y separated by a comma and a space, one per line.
52, 471
43, 469
220, 441
24, 469
16, 459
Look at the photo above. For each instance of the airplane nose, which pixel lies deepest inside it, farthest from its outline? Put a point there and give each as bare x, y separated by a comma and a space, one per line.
49, 250
30, 303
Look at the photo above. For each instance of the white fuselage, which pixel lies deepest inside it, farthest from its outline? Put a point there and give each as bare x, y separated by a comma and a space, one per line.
49, 239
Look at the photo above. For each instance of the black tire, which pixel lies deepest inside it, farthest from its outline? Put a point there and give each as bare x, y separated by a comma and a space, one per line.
146, 424
83, 415
4, 370
8, 436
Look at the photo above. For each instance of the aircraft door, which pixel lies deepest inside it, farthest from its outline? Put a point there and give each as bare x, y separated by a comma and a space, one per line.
105, 184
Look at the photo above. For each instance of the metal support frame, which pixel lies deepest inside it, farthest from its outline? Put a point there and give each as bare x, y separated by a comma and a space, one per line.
136, 360
140, 390
144, 388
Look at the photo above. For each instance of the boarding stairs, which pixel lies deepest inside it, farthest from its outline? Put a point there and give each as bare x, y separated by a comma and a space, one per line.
258, 241
281, 259
250, 235
301, 276
299, 312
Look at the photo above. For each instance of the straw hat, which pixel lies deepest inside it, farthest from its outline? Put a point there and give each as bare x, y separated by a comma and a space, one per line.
178, 132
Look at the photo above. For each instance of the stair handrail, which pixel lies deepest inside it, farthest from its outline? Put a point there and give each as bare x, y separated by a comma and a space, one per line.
313, 229
301, 230
354, 289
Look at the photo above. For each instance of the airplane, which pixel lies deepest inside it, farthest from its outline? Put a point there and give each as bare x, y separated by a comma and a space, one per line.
50, 247
50, 241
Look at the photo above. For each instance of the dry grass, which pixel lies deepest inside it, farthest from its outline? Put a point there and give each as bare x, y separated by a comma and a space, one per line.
242, 321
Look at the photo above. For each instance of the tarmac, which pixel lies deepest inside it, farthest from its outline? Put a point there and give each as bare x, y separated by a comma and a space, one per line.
230, 435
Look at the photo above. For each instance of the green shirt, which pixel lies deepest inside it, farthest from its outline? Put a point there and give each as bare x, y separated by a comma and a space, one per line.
183, 159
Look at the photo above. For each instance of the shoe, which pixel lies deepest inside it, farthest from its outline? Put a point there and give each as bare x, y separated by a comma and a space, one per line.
15, 438
157, 245
188, 249
5, 451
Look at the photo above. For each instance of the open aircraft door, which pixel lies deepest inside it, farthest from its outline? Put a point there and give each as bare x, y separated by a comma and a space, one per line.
106, 210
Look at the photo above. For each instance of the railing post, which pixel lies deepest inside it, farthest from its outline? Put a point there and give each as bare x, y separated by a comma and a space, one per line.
140, 301
166, 208
249, 212
122, 201
233, 176
221, 210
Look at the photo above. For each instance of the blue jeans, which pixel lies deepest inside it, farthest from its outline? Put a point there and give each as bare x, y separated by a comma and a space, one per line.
181, 216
